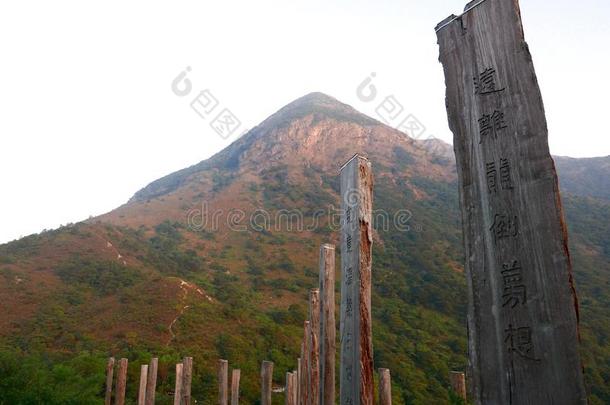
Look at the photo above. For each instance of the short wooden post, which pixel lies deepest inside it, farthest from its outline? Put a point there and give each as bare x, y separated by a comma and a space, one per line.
288, 390
178, 389
305, 365
121, 382
266, 382
356, 268
327, 325
298, 378
235, 374
151, 384
385, 387
187, 377
109, 376
314, 346
143, 380
458, 383
295, 384
223, 382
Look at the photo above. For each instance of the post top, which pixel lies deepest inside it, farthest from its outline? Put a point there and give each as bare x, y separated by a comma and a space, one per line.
328, 246
356, 156
453, 17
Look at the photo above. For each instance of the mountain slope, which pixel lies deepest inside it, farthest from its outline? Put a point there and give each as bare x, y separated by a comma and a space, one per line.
216, 261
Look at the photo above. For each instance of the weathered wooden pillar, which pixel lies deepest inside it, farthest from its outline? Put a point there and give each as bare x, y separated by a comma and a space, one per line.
142, 388
223, 382
298, 378
109, 376
385, 387
178, 388
458, 383
314, 346
305, 365
295, 384
289, 390
356, 374
121, 382
266, 382
151, 384
327, 325
522, 317
187, 377
235, 374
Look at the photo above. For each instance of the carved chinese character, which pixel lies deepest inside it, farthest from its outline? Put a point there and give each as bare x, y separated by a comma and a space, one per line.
348, 215
506, 181
504, 226
514, 290
489, 125
519, 340
349, 276
485, 82
348, 242
348, 373
348, 307
491, 177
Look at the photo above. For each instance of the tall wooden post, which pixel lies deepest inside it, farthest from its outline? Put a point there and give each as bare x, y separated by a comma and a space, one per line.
327, 325
522, 317
109, 376
288, 390
385, 387
356, 374
151, 384
314, 346
142, 388
305, 365
235, 374
458, 383
223, 382
178, 389
295, 383
121, 382
187, 377
266, 382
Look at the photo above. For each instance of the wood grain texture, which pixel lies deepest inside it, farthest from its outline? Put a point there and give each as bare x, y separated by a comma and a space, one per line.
178, 386
385, 387
328, 346
266, 382
356, 374
299, 378
289, 390
314, 346
223, 382
109, 377
151, 384
458, 383
142, 387
522, 317
235, 376
187, 377
121, 382
305, 365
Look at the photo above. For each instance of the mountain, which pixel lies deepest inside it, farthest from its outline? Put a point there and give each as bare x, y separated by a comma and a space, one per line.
216, 260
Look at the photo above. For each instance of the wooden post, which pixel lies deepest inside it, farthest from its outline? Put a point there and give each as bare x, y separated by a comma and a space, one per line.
522, 316
298, 378
109, 376
223, 382
143, 379
235, 374
288, 391
458, 383
121, 382
178, 389
295, 384
305, 365
266, 382
187, 377
385, 387
151, 384
356, 374
314, 346
327, 325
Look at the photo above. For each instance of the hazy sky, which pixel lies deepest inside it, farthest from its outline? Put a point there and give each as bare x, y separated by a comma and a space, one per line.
88, 116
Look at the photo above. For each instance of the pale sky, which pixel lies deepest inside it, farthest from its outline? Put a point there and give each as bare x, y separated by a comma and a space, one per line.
88, 115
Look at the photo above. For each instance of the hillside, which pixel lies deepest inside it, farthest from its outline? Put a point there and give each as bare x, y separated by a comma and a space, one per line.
216, 260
